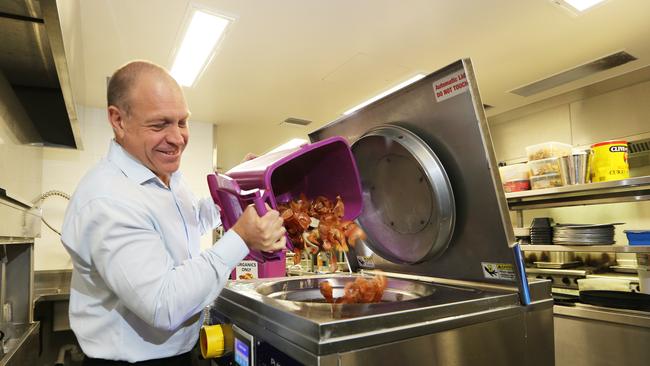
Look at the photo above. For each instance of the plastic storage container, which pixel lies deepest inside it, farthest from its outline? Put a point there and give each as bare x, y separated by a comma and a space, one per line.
545, 166
638, 237
546, 181
548, 150
516, 185
514, 178
513, 172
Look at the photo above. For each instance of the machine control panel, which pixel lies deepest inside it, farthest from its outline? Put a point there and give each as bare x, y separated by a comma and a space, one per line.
244, 348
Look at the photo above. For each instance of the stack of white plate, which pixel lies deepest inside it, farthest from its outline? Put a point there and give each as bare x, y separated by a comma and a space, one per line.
584, 234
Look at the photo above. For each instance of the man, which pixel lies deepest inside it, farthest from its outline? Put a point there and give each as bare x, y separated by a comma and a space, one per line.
132, 228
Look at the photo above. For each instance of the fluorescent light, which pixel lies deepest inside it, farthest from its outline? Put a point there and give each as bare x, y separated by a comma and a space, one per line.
202, 35
385, 93
582, 5
291, 144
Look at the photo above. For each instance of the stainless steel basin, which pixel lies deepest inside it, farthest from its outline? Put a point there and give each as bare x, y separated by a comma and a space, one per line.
308, 289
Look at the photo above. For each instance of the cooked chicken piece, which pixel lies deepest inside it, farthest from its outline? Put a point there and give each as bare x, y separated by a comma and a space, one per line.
360, 291
329, 234
326, 291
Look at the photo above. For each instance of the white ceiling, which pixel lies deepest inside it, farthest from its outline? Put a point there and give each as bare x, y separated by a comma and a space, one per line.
314, 59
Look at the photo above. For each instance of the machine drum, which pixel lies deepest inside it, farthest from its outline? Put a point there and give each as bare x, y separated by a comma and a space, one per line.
408, 211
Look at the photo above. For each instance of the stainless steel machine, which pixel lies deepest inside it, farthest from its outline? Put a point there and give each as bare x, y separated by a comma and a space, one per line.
438, 228
19, 225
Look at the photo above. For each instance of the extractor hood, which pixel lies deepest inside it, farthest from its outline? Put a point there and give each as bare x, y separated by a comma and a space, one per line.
35, 70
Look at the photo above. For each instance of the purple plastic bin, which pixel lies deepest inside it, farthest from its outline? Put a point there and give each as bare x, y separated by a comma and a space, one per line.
324, 168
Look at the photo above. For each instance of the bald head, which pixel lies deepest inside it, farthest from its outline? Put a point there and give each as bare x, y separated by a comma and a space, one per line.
125, 79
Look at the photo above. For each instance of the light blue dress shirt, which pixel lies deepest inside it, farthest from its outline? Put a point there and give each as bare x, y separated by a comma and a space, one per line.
139, 280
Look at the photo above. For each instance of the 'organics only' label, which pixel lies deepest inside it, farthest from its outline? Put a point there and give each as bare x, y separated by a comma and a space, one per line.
246, 270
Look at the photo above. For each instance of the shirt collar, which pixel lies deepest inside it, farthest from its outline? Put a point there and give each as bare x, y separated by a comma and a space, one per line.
132, 167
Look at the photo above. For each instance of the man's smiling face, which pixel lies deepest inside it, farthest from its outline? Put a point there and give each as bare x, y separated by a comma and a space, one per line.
155, 128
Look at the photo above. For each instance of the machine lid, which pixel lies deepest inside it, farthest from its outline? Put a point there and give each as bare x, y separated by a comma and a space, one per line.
408, 204
444, 110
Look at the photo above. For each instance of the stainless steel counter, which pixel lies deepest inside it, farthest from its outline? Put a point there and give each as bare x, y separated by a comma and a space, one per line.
635, 318
23, 346
52, 285
598, 336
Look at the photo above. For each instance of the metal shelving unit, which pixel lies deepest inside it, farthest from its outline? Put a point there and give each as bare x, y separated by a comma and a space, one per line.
627, 190
588, 248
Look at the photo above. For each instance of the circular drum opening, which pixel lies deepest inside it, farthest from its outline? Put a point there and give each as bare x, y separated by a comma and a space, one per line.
409, 211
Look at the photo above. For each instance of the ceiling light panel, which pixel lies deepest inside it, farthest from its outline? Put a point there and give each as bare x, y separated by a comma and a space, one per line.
202, 35
578, 5
291, 144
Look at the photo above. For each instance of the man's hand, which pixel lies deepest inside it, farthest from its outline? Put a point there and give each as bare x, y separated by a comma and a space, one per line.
264, 233
249, 156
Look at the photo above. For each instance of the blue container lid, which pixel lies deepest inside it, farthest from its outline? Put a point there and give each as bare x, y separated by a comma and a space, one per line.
638, 237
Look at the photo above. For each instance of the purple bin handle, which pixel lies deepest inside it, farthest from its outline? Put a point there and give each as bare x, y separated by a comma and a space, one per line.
259, 202
260, 206
229, 185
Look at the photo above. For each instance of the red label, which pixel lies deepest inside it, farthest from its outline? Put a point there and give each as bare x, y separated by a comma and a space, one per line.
450, 85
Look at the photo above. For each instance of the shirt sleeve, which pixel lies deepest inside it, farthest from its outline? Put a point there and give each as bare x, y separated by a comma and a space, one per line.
209, 216
131, 258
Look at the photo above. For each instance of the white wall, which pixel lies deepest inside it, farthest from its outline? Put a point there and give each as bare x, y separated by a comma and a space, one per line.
62, 170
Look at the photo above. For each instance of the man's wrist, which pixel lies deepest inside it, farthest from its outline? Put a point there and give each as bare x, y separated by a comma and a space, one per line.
237, 231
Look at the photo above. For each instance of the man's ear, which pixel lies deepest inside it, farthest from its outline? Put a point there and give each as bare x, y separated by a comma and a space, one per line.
116, 119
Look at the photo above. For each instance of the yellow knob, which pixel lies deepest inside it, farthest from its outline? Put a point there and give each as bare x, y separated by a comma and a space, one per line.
216, 340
